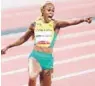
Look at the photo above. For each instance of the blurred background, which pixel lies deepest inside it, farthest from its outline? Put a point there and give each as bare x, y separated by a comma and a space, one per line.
74, 50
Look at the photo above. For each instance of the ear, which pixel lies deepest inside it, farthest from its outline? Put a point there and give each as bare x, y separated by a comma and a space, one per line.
42, 10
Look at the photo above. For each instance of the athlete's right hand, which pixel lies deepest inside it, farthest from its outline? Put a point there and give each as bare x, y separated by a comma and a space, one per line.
3, 51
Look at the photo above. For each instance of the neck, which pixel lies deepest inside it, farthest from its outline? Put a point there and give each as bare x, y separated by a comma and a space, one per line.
46, 20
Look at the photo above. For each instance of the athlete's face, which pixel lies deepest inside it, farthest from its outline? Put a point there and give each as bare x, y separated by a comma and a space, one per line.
48, 11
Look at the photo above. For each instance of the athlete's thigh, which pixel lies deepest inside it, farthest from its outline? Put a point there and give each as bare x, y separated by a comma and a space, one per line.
34, 67
46, 73
45, 77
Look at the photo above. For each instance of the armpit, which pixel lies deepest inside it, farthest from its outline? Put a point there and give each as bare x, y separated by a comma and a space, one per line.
33, 24
32, 27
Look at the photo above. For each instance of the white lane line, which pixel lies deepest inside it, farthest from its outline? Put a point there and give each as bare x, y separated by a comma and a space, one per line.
74, 59
14, 71
85, 44
91, 42
30, 43
70, 75
70, 35
78, 34
5, 59
72, 46
33, 3
74, 74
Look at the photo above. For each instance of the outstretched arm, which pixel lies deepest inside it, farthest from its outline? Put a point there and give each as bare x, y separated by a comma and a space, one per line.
61, 24
21, 40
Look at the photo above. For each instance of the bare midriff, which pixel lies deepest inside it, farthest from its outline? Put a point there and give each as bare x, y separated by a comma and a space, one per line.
43, 49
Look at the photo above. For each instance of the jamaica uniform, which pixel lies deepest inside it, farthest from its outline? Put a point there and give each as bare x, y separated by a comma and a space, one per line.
44, 36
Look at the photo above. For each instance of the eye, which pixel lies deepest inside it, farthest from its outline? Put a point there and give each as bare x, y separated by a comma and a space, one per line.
51, 10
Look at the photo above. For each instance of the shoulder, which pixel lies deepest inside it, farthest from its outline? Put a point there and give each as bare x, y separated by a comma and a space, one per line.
32, 26
62, 24
56, 24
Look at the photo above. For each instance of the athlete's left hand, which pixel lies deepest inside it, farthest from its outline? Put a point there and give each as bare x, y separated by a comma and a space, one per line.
88, 20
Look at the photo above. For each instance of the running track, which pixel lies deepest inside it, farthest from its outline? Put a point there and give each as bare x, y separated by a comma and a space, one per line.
74, 50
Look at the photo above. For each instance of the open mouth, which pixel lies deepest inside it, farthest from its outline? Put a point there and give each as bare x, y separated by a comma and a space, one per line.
50, 16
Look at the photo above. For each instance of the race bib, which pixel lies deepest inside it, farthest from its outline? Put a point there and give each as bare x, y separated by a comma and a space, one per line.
43, 35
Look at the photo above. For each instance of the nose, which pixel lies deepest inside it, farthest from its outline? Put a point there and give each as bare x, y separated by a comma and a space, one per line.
51, 13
